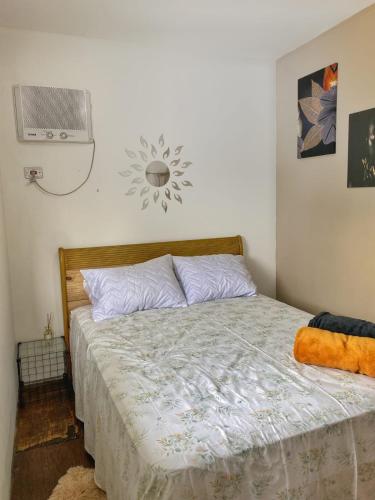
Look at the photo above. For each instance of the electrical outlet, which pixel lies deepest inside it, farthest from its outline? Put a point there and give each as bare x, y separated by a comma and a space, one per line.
33, 173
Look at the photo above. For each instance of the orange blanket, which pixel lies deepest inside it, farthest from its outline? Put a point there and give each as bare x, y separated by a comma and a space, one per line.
335, 350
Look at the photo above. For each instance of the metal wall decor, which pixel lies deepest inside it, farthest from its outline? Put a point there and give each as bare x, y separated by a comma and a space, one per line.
154, 173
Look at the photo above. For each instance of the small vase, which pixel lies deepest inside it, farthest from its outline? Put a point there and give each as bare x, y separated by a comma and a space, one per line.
48, 333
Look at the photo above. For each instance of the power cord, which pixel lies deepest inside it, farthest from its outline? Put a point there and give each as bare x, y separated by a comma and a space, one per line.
34, 180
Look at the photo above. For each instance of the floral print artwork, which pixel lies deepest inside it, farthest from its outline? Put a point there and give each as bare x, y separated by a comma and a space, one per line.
317, 103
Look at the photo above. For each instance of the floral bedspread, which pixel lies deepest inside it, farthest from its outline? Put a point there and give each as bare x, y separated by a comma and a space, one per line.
207, 402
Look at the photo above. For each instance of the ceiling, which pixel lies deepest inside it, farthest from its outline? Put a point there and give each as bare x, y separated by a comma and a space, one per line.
254, 28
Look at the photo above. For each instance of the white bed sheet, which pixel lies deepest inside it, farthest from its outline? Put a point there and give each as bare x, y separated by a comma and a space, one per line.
207, 402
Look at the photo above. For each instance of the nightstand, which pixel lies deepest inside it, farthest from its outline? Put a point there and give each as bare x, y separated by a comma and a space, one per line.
42, 368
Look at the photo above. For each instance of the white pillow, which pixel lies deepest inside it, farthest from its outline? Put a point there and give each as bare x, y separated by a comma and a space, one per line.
211, 277
123, 290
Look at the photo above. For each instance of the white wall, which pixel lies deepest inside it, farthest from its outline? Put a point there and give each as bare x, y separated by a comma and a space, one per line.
8, 383
222, 110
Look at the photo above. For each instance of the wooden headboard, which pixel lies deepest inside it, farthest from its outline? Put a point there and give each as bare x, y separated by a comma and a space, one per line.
74, 259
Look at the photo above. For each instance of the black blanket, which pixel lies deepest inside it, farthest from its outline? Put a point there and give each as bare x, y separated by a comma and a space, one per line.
343, 324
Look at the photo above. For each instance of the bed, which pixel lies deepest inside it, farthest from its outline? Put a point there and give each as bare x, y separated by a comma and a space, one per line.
207, 402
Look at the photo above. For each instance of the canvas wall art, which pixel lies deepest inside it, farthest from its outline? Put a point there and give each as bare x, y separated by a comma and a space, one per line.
317, 100
361, 154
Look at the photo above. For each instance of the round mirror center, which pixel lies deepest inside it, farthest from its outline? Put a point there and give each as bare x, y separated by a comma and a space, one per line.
157, 173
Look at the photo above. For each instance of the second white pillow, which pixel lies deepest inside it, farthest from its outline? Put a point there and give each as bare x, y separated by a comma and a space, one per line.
210, 277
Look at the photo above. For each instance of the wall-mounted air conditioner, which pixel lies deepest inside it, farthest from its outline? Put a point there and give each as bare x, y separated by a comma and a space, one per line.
52, 114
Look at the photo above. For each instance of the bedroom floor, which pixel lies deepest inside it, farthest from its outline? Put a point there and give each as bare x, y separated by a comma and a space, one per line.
37, 469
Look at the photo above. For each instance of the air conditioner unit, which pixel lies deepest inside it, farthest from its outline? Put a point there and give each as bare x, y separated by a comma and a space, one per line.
52, 114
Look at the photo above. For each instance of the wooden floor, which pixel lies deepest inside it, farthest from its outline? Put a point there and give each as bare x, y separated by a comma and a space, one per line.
37, 470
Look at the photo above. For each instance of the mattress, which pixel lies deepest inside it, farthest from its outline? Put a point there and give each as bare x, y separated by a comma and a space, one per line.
207, 402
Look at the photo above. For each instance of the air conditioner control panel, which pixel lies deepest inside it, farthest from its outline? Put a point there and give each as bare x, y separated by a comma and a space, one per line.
62, 135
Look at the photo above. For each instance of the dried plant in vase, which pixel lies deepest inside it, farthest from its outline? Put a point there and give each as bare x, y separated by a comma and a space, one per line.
48, 330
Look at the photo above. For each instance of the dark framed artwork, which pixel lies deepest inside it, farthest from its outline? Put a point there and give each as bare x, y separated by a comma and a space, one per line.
317, 103
361, 149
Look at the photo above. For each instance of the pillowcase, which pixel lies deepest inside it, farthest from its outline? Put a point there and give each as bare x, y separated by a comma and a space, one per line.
123, 290
211, 277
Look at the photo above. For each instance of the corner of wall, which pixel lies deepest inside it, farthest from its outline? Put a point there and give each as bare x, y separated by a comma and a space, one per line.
8, 372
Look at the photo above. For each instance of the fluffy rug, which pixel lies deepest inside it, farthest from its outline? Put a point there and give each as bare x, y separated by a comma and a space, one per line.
77, 484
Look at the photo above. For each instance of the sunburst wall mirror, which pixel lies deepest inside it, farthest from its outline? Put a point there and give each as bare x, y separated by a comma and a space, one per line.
154, 173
